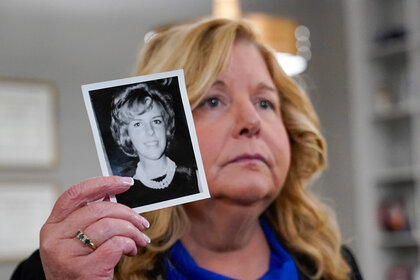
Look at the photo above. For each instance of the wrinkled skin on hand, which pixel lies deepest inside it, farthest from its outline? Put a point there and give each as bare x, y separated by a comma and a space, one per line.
115, 229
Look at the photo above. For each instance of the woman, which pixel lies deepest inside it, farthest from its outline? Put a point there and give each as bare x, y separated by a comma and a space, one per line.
260, 143
143, 124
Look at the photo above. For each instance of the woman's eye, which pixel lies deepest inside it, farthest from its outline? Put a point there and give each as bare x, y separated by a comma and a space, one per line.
212, 102
265, 104
157, 121
137, 124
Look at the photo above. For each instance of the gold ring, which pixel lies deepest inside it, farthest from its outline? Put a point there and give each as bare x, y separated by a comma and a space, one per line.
82, 237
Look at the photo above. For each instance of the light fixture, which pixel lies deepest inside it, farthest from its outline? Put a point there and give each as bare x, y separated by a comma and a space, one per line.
290, 41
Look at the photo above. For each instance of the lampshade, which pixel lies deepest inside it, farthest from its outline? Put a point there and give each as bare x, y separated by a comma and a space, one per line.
282, 34
289, 40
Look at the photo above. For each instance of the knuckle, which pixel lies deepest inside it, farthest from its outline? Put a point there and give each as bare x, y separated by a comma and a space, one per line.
122, 243
118, 246
128, 242
49, 248
43, 232
117, 241
130, 227
59, 209
95, 209
114, 246
46, 241
106, 226
75, 191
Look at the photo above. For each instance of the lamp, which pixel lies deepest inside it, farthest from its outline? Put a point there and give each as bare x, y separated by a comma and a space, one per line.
290, 41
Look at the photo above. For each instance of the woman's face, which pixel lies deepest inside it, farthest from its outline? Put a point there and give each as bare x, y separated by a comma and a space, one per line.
148, 133
243, 141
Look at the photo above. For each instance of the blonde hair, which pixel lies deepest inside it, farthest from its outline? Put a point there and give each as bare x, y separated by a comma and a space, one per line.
304, 225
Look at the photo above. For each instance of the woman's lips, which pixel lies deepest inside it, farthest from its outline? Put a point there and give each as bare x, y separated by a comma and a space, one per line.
247, 158
151, 143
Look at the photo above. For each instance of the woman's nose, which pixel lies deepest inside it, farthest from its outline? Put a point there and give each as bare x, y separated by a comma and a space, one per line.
149, 129
247, 120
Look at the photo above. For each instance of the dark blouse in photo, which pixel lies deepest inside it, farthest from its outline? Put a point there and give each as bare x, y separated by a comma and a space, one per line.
184, 183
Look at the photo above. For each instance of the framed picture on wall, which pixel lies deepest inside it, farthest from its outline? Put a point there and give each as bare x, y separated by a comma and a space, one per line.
24, 208
28, 128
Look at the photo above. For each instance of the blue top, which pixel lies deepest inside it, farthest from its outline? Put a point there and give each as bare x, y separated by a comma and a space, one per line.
181, 266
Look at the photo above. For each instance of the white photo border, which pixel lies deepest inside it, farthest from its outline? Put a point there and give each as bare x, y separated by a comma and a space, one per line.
103, 160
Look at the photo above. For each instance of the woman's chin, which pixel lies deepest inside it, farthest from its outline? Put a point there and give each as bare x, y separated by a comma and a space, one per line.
246, 194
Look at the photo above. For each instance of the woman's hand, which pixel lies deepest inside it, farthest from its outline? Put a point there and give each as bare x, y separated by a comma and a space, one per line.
113, 228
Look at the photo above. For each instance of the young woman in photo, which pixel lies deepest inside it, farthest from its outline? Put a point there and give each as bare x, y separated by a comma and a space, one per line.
143, 125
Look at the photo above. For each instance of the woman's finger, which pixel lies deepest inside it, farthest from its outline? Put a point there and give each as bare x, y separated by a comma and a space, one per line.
90, 214
109, 253
87, 191
104, 229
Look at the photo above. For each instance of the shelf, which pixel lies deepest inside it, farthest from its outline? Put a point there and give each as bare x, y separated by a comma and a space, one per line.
397, 47
391, 113
395, 176
384, 38
397, 240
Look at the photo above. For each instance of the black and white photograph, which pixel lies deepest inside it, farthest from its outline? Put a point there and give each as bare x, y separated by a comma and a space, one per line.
143, 128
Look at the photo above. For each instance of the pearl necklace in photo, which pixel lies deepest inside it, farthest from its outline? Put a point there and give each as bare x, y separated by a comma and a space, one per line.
164, 183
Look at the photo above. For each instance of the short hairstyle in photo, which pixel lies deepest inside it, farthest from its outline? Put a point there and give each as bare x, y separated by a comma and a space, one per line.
132, 102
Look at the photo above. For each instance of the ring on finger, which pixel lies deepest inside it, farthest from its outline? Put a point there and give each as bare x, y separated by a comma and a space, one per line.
82, 237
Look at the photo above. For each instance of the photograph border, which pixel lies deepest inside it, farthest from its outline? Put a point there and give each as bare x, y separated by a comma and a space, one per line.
103, 160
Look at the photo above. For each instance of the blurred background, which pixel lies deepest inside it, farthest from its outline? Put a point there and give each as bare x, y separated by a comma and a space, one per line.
362, 69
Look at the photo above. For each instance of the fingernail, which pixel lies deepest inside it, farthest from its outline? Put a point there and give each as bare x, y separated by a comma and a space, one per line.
147, 238
145, 222
127, 180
